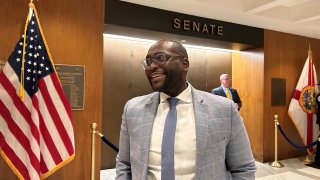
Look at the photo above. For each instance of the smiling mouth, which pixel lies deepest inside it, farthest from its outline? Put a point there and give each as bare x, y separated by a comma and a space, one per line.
156, 76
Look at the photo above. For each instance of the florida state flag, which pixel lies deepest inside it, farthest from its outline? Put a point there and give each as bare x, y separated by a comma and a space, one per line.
302, 107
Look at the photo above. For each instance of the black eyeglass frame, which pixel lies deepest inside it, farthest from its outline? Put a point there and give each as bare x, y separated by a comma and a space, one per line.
146, 63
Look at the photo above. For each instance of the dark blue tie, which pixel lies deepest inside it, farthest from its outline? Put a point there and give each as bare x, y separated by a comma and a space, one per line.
167, 149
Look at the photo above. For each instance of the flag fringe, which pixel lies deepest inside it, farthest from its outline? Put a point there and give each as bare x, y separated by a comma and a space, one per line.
17, 173
58, 166
10, 164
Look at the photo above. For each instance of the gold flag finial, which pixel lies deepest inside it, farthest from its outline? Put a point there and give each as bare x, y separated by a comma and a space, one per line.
309, 51
31, 5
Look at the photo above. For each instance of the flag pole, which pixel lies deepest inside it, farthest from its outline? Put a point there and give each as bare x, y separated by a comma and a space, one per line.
93, 149
21, 90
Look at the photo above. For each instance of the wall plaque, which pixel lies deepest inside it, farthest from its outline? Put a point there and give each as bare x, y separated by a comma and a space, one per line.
72, 80
278, 92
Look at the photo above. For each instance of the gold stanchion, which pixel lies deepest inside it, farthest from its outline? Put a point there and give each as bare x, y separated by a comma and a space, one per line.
308, 158
93, 149
275, 163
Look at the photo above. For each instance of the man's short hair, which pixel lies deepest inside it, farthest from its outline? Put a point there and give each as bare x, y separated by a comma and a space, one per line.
222, 76
177, 45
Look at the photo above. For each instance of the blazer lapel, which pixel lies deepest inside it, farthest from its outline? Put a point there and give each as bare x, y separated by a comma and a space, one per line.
201, 123
223, 93
148, 118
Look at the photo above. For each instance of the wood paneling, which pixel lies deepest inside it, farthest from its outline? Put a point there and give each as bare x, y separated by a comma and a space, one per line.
197, 68
285, 55
73, 30
247, 78
218, 63
124, 79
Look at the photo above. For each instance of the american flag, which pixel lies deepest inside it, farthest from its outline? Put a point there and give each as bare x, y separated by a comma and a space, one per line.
36, 132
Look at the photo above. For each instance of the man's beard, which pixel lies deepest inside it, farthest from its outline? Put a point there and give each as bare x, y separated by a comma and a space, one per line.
171, 82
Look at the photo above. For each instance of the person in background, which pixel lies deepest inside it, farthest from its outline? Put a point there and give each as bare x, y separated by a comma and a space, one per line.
317, 157
179, 132
226, 91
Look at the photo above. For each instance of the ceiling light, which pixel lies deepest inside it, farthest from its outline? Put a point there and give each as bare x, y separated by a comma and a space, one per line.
149, 41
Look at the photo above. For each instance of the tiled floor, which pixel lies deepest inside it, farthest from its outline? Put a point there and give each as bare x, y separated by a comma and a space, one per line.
108, 174
293, 169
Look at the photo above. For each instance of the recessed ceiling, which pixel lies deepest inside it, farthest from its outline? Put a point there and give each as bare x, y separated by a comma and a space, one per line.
300, 17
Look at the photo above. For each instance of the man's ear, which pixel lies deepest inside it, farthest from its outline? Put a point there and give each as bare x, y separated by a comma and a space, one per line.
185, 63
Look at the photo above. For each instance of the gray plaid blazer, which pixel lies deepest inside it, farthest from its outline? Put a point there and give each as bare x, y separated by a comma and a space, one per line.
222, 145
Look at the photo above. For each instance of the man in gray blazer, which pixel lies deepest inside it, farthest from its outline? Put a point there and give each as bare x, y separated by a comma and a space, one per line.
210, 140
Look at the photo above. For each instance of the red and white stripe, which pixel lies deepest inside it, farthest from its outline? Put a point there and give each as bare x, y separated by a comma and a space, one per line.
36, 135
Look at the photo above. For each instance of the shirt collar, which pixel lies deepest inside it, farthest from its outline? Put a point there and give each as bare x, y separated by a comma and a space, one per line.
224, 88
185, 96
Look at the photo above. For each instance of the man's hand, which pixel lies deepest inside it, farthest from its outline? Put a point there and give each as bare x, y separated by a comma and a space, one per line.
236, 105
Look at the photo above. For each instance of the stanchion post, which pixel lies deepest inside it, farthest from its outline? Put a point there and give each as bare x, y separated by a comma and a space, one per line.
93, 149
307, 158
275, 163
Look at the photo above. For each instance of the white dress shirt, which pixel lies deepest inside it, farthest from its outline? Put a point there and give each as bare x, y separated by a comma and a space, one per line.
185, 138
225, 89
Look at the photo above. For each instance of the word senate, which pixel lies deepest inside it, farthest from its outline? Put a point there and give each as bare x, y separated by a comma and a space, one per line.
197, 26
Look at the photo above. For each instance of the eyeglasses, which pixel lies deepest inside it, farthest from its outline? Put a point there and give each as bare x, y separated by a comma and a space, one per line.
158, 59
227, 79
